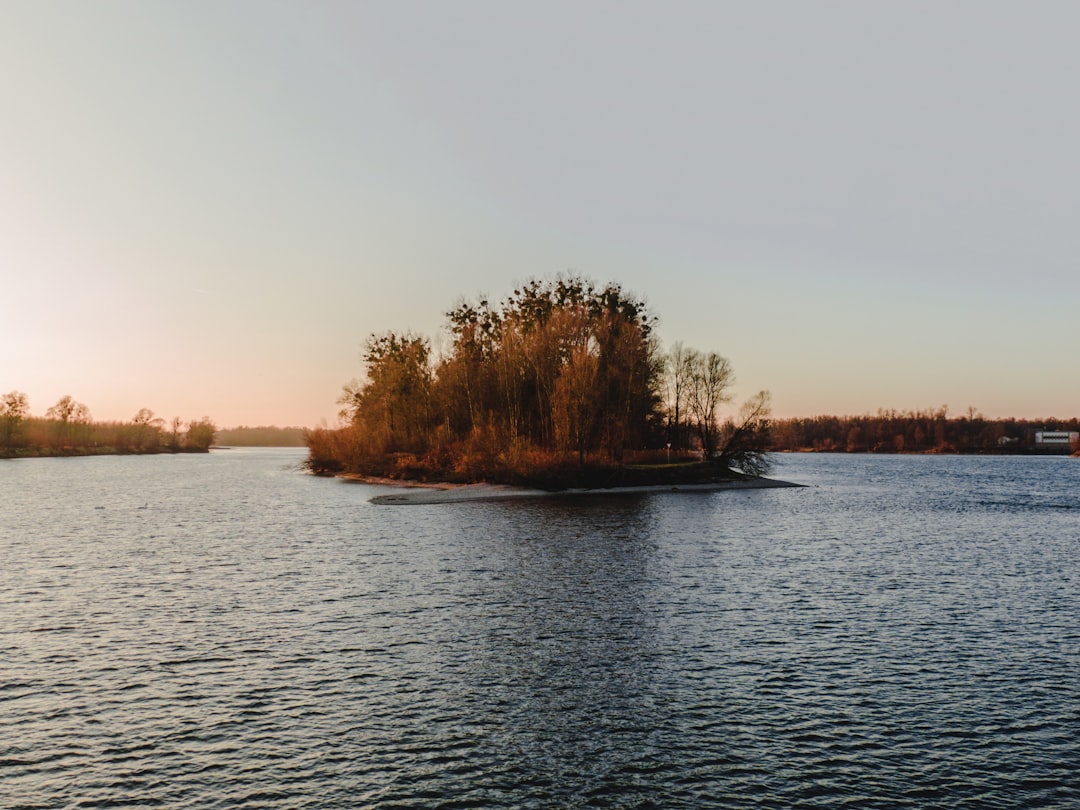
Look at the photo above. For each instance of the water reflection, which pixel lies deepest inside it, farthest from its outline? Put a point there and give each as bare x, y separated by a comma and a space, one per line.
569, 642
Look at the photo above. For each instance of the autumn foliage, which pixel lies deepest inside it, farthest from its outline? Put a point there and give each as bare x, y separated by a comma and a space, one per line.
561, 375
68, 429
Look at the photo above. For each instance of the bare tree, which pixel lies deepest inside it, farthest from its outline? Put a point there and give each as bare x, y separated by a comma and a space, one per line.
14, 408
574, 411
174, 432
710, 380
678, 372
70, 416
147, 429
67, 409
393, 405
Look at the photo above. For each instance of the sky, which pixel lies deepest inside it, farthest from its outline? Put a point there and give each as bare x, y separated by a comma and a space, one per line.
206, 207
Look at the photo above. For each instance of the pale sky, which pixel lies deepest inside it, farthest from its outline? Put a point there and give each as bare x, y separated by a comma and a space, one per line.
206, 207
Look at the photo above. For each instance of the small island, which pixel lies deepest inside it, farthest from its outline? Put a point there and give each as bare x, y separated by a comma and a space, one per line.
562, 386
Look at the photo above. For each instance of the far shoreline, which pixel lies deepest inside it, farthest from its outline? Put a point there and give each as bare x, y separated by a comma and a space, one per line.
90, 452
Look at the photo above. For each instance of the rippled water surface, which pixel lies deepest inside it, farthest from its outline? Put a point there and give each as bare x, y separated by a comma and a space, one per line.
224, 631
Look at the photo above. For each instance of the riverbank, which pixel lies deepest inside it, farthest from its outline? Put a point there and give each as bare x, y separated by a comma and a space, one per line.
79, 452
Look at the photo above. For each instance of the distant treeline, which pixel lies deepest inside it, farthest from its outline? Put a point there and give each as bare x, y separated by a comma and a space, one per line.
67, 429
264, 436
922, 431
561, 377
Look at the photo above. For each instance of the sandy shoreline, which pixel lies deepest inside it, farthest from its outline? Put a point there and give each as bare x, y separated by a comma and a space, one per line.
425, 493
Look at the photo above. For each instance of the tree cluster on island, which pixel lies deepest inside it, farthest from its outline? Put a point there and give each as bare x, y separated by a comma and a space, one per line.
561, 384
67, 429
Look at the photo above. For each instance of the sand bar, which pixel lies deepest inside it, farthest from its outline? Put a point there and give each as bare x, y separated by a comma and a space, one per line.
423, 493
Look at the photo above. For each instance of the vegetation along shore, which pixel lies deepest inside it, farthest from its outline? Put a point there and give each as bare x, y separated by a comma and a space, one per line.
931, 430
68, 430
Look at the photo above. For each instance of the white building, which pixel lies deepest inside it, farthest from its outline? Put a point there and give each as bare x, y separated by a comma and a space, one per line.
1056, 438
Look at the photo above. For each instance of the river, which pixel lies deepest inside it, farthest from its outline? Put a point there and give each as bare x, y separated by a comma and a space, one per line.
223, 631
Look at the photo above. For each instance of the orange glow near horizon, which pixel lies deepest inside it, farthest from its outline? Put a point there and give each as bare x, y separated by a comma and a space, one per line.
218, 236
